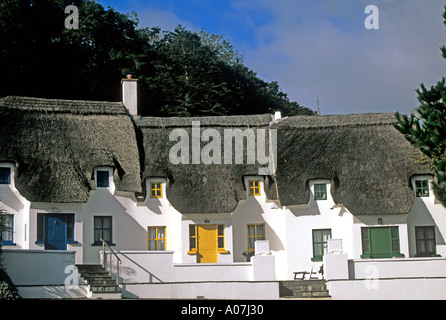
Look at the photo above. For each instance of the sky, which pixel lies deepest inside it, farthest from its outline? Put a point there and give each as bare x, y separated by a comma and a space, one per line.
321, 50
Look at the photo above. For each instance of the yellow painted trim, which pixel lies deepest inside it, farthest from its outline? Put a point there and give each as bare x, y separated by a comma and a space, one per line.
156, 238
254, 187
156, 186
255, 234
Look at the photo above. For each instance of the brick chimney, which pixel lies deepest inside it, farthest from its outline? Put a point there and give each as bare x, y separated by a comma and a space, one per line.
129, 94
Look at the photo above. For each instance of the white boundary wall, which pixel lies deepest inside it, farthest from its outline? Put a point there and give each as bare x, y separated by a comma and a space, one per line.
43, 273
398, 278
152, 274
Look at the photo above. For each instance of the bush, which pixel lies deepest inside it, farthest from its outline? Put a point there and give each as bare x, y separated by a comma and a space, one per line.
8, 291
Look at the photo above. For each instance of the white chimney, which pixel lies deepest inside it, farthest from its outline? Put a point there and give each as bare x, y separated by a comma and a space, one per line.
129, 94
277, 115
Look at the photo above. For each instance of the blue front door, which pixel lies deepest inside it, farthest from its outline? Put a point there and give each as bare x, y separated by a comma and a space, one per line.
55, 238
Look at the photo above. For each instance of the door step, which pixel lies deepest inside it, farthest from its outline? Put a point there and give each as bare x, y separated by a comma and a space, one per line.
100, 284
304, 289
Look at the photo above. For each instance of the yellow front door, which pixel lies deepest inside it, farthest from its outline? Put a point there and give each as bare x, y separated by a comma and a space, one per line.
207, 244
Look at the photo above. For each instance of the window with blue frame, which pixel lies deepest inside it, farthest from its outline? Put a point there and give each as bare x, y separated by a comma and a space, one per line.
5, 175
7, 229
102, 179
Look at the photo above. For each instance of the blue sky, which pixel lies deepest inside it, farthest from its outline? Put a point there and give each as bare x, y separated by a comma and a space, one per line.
321, 48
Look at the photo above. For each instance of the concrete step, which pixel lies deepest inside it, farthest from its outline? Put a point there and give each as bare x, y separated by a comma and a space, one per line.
105, 289
303, 289
95, 274
100, 284
89, 267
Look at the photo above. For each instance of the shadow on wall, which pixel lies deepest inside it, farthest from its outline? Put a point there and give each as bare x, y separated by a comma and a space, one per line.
131, 235
131, 272
421, 213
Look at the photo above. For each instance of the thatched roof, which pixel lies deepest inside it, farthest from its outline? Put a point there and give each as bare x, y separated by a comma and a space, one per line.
197, 188
57, 143
368, 162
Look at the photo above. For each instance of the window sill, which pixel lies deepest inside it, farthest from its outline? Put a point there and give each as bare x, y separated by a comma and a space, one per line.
316, 259
99, 244
395, 255
9, 244
218, 251
68, 242
429, 255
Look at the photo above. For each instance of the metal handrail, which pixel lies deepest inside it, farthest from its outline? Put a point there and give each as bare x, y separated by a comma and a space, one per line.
118, 261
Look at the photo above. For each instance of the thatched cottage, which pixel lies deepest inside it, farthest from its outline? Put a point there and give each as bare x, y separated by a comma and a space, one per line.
74, 173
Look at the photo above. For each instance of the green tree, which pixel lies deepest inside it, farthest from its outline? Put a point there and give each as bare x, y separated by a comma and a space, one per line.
181, 73
40, 57
426, 130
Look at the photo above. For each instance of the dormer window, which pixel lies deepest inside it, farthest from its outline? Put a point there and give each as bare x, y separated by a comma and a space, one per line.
320, 191
422, 188
254, 187
102, 179
156, 190
5, 175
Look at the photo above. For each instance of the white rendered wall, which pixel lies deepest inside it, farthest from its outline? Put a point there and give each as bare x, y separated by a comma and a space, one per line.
427, 211
317, 214
14, 203
256, 210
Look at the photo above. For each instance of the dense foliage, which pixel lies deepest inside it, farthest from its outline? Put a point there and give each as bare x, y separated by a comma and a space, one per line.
180, 72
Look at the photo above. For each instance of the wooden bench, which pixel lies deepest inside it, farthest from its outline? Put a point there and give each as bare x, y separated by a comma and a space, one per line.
304, 273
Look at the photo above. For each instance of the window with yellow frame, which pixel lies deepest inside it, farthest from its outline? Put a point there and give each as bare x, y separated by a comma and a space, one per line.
156, 238
255, 232
156, 190
254, 187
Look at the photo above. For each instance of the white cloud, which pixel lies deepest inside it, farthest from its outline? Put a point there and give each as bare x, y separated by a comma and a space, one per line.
324, 49
166, 20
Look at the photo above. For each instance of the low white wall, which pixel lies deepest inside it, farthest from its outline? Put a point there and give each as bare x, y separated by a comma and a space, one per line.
398, 278
37, 267
245, 290
152, 274
399, 268
43, 273
158, 266
388, 289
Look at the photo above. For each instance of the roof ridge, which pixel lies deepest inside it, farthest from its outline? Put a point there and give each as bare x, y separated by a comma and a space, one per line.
229, 120
62, 105
339, 120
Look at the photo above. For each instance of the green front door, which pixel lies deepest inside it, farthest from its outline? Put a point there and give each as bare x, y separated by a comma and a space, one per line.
380, 242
